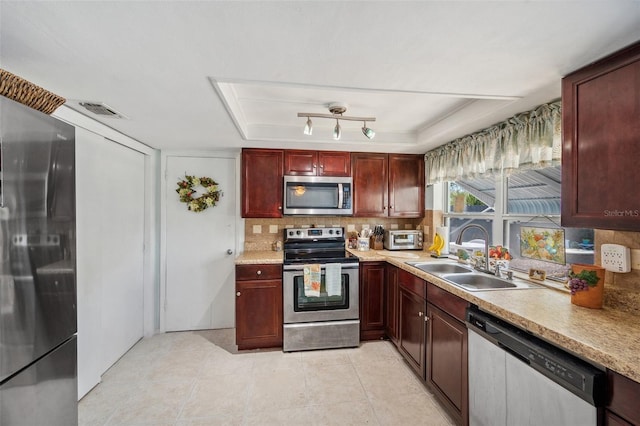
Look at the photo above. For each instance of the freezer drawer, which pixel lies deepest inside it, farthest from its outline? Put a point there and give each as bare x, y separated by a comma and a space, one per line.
45, 393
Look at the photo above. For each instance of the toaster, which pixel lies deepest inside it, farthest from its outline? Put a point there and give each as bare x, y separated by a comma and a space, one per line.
403, 240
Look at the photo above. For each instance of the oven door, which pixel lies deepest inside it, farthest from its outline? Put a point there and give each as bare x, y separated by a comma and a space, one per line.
298, 307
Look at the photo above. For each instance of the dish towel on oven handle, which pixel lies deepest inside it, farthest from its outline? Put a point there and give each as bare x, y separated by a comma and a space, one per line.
333, 279
312, 280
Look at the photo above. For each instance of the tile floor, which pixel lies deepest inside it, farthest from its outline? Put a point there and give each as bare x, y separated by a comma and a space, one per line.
198, 378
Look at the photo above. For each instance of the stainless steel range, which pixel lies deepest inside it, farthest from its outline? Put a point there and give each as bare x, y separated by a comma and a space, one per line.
320, 290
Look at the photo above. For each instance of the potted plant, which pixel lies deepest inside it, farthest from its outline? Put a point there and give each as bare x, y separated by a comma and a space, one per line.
586, 283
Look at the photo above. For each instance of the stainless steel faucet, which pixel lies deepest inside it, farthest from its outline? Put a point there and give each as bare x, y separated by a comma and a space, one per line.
485, 268
499, 272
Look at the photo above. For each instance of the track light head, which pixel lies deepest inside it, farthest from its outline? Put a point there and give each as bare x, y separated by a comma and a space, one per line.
337, 131
368, 132
308, 128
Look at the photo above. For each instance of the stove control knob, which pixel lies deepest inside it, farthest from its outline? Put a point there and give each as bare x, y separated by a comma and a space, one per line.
291, 233
337, 232
330, 231
298, 232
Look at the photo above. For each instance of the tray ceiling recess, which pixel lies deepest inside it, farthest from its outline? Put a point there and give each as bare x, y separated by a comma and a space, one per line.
268, 111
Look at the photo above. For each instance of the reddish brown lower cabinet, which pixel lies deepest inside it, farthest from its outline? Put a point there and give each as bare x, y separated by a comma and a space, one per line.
447, 354
391, 304
624, 402
258, 306
372, 278
610, 419
412, 308
447, 361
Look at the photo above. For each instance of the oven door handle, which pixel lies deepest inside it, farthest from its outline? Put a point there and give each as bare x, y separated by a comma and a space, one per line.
300, 267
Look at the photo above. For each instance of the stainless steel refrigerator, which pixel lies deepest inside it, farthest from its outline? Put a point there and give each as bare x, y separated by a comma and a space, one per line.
38, 369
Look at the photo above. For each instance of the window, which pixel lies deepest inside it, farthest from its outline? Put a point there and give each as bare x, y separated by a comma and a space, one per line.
502, 206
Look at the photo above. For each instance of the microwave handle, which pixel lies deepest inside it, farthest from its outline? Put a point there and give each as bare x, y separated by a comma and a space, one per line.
340, 195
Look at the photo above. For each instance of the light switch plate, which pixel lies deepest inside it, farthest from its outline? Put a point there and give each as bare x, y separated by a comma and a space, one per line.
615, 258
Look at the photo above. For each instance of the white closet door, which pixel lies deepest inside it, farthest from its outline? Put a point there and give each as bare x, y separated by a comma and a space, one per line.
122, 251
110, 235
200, 277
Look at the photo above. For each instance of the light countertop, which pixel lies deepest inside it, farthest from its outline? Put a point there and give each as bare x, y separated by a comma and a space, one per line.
605, 336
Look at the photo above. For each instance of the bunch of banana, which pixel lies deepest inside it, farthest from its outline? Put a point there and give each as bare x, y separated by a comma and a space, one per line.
438, 244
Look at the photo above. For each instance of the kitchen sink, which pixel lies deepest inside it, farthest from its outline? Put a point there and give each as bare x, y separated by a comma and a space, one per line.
480, 282
440, 268
469, 279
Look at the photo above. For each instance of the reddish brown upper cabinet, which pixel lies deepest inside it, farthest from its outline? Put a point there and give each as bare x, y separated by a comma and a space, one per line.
601, 143
387, 185
372, 280
262, 184
406, 185
317, 163
258, 306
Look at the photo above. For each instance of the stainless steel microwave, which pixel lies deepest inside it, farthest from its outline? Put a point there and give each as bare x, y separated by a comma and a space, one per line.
318, 195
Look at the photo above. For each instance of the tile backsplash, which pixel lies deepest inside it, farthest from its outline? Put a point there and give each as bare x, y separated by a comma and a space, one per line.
260, 234
621, 291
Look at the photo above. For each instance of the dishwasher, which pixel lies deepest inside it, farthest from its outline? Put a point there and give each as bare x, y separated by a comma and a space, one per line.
518, 379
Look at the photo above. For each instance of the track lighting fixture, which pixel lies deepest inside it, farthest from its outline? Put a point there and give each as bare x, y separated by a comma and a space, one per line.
368, 131
337, 131
336, 110
308, 128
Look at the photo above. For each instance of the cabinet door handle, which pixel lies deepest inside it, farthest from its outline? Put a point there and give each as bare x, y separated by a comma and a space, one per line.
390, 207
420, 314
258, 272
229, 251
426, 318
279, 207
238, 294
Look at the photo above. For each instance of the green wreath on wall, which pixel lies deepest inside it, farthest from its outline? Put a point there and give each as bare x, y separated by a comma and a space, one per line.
187, 192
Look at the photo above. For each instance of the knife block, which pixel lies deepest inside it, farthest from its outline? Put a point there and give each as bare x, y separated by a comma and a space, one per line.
375, 244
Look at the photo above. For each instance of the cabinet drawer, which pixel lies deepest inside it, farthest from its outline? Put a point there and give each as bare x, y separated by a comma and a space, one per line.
450, 303
412, 283
258, 272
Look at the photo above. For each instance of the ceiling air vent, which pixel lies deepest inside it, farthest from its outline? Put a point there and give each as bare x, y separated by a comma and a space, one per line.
101, 109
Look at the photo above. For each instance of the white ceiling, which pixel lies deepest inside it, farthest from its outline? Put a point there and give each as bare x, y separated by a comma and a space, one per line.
214, 75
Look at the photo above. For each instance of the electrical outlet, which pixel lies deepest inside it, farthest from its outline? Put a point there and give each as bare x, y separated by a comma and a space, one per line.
615, 258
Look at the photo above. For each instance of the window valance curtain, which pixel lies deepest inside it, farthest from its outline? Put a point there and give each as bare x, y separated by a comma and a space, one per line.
525, 141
